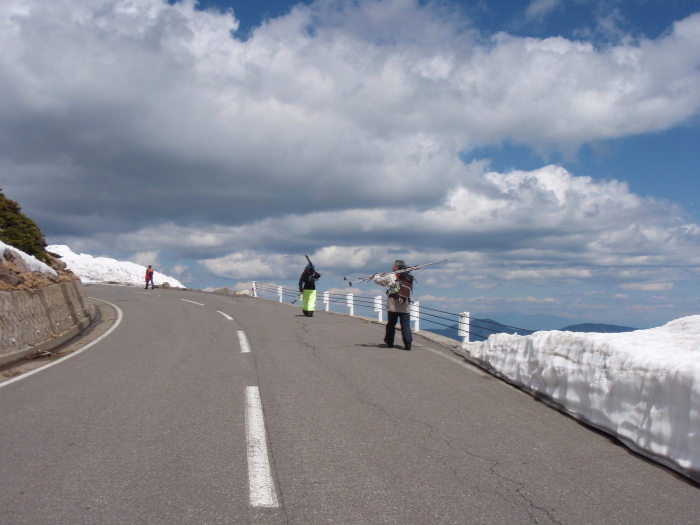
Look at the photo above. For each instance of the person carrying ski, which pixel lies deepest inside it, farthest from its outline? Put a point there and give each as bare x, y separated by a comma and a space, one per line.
307, 287
149, 276
400, 286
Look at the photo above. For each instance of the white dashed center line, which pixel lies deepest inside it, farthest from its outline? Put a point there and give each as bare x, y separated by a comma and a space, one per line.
262, 487
243, 340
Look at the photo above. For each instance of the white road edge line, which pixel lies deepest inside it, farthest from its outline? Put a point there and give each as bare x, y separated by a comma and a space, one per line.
262, 487
188, 301
120, 316
243, 340
227, 316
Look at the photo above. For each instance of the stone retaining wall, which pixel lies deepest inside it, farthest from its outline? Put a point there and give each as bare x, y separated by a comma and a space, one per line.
33, 318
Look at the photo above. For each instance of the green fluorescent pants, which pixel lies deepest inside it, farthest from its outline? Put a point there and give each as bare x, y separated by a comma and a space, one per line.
308, 302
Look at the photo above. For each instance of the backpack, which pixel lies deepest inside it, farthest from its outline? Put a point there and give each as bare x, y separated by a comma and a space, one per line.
402, 288
311, 276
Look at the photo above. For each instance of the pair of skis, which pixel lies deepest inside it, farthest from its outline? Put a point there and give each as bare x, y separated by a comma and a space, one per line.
408, 269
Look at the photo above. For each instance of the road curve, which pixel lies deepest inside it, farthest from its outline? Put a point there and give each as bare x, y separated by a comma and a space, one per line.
205, 408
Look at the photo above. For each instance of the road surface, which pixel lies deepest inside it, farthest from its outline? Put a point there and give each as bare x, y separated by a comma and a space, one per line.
204, 409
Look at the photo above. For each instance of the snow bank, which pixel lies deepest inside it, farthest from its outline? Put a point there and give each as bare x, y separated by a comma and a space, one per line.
34, 264
642, 386
103, 269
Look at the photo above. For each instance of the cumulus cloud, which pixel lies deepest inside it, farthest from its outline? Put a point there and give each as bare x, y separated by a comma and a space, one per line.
515, 300
335, 130
247, 265
546, 225
146, 258
140, 108
648, 287
540, 8
536, 300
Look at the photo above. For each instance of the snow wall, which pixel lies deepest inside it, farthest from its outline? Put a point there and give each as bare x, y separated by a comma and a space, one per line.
105, 270
643, 387
44, 317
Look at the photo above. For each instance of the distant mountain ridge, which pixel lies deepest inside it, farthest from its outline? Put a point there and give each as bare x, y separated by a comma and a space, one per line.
600, 328
481, 329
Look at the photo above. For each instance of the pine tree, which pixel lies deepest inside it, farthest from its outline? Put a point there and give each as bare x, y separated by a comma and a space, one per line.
18, 230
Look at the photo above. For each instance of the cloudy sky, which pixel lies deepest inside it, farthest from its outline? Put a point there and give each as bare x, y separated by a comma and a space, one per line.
547, 148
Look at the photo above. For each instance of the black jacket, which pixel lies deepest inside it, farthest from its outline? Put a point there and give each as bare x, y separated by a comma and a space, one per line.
308, 279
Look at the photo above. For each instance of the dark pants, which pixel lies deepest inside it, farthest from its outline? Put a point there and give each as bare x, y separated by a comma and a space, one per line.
392, 318
149, 281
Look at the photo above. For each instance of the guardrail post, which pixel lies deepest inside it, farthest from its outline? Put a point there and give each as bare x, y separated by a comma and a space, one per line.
463, 330
327, 300
378, 307
279, 292
351, 304
255, 290
415, 316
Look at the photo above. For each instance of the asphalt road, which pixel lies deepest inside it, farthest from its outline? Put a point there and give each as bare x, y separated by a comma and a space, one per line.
157, 423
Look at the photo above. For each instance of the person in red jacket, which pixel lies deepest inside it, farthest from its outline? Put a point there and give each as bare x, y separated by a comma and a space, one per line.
149, 277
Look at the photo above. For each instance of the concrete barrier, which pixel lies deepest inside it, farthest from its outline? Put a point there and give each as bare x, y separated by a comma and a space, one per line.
41, 319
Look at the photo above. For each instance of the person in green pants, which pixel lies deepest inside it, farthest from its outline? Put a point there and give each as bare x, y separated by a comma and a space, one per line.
307, 287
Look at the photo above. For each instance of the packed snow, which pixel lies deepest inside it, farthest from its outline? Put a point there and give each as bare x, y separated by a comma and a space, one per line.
34, 264
641, 386
103, 269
